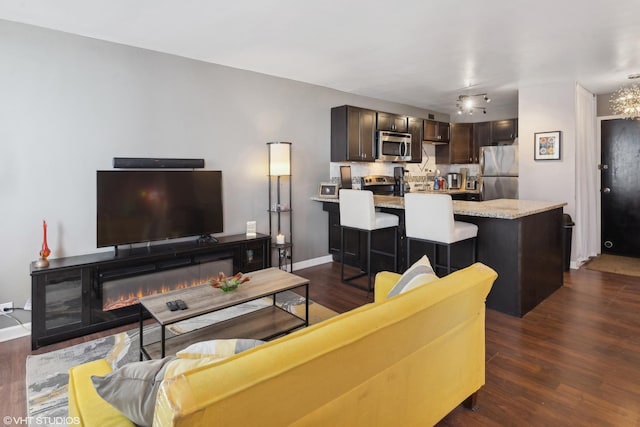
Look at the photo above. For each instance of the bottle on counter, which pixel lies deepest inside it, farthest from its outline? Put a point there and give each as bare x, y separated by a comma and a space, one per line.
436, 183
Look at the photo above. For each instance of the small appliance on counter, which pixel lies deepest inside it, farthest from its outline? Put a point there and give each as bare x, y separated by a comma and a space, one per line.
472, 183
402, 186
454, 180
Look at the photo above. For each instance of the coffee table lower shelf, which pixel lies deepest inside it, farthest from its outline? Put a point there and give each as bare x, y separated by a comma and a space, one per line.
263, 324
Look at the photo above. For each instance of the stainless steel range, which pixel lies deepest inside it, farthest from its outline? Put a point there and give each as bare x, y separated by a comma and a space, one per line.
379, 184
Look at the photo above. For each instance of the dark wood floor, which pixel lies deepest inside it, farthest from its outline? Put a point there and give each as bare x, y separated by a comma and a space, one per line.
573, 360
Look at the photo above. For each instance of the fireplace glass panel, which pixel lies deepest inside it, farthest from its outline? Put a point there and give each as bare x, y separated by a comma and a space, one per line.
63, 300
125, 292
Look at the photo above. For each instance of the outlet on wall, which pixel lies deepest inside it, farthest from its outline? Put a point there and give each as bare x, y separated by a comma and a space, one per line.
6, 305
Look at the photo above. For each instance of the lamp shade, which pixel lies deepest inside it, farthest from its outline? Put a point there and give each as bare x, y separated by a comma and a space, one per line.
279, 158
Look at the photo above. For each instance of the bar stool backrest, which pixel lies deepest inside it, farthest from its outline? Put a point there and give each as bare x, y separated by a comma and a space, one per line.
357, 209
429, 217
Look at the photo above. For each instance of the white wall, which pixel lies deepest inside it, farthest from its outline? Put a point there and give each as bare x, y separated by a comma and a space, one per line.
547, 108
70, 104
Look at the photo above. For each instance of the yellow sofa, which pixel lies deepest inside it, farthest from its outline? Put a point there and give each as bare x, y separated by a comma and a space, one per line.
408, 360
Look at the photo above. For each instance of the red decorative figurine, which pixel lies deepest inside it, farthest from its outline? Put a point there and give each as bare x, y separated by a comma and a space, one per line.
45, 251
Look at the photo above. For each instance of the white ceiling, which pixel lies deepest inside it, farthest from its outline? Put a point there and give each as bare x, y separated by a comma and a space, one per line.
416, 52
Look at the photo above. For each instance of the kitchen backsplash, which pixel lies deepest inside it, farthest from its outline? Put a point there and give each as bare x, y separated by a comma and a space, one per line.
417, 172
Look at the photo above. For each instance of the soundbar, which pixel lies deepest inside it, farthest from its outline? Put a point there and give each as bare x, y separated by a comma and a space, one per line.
147, 163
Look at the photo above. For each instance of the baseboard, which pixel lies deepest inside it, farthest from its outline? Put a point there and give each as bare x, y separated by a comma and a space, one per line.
312, 262
13, 332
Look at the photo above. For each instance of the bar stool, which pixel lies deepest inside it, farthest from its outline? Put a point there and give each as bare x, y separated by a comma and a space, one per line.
429, 218
357, 212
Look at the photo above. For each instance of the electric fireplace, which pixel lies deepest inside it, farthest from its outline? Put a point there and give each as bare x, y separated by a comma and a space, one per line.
83, 294
117, 293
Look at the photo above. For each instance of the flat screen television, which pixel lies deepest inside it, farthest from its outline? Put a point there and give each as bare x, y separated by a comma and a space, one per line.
144, 206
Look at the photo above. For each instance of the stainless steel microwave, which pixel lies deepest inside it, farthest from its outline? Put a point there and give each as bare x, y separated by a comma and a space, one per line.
393, 146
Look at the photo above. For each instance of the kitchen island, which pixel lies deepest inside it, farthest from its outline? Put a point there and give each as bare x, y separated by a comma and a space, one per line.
520, 239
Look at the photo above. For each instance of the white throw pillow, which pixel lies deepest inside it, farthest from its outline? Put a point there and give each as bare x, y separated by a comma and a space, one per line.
420, 273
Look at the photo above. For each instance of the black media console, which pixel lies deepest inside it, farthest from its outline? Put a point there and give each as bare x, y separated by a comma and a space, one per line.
74, 295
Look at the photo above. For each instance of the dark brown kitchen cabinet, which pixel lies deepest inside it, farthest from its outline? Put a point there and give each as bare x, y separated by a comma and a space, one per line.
467, 139
416, 129
481, 138
460, 147
461, 143
352, 134
393, 122
504, 130
436, 131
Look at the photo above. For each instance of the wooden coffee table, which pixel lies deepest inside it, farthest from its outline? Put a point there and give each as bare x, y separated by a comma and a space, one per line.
262, 324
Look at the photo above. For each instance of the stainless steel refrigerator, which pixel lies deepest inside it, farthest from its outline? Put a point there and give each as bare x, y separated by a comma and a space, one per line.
499, 171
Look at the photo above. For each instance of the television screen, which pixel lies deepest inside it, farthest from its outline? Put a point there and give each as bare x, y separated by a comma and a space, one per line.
143, 206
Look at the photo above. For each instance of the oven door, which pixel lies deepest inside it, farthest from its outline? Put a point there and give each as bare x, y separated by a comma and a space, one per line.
394, 146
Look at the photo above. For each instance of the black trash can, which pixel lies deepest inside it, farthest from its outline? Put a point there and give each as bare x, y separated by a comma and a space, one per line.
567, 224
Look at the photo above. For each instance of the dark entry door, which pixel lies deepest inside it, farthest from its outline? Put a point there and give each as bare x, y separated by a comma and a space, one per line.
620, 192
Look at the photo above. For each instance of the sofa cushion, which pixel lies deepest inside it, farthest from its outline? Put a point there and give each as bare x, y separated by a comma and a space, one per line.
85, 405
132, 388
420, 273
221, 348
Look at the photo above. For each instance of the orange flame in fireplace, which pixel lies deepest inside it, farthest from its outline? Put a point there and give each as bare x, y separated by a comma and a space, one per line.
122, 301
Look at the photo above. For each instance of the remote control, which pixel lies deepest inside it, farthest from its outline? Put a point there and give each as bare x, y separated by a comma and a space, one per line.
172, 305
181, 304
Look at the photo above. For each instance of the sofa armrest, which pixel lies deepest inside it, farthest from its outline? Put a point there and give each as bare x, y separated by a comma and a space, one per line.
385, 280
85, 405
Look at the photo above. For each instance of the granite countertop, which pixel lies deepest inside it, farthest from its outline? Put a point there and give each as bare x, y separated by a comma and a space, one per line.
505, 208
500, 208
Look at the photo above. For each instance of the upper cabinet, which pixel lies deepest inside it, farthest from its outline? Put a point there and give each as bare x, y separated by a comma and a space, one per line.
393, 122
461, 143
468, 138
481, 138
504, 130
436, 131
416, 131
353, 134
460, 147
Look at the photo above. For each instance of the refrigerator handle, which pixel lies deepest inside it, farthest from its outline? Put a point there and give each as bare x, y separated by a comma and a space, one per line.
481, 160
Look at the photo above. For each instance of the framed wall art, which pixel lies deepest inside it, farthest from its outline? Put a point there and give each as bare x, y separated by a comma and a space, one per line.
547, 145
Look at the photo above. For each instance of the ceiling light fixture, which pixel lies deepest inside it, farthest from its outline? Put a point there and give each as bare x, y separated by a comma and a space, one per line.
468, 103
625, 101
